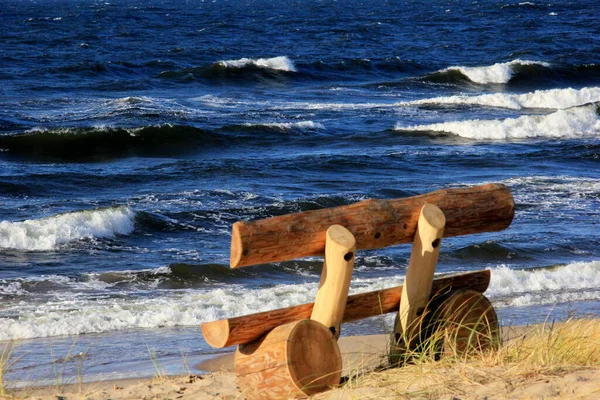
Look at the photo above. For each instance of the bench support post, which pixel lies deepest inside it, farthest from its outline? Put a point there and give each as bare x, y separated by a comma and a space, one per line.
416, 291
332, 295
301, 358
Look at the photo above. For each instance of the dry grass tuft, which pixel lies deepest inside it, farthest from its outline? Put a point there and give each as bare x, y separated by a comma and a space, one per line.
573, 343
534, 354
6, 362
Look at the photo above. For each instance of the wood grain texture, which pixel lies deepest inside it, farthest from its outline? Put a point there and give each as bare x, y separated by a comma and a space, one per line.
294, 360
416, 290
374, 223
332, 294
248, 328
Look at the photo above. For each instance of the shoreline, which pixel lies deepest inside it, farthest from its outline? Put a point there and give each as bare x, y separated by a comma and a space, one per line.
473, 378
213, 377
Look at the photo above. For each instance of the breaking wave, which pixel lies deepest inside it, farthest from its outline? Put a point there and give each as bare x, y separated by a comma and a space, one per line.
308, 125
491, 74
281, 63
241, 70
540, 99
558, 284
574, 122
508, 288
51, 232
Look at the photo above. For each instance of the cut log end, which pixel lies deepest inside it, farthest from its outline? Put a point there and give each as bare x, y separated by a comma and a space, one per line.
467, 322
341, 236
294, 360
216, 333
433, 216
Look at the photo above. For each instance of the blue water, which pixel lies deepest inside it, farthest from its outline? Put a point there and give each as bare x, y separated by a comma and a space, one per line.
134, 133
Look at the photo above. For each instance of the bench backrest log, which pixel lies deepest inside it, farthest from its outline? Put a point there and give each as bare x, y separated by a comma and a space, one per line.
374, 223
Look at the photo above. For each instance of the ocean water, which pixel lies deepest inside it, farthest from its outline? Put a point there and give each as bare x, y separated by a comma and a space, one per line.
134, 133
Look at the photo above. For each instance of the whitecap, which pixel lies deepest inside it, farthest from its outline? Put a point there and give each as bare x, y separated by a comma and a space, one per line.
574, 122
540, 99
289, 125
578, 281
497, 73
51, 232
281, 63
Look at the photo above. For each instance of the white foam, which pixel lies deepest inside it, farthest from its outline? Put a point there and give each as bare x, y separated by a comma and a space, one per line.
232, 103
570, 123
541, 99
553, 195
516, 288
281, 63
290, 125
73, 313
51, 232
497, 73
11, 289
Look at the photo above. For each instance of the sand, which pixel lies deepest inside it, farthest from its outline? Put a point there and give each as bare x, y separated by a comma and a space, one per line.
360, 353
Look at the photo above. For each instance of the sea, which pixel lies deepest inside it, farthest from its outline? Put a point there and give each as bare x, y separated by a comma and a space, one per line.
134, 133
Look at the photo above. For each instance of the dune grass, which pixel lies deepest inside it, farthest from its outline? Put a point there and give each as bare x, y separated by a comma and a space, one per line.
530, 353
6, 362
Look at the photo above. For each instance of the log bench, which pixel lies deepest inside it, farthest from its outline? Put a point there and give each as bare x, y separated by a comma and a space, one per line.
293, 353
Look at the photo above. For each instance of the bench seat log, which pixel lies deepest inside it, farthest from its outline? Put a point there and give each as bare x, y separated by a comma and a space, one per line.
248, 328
374, 223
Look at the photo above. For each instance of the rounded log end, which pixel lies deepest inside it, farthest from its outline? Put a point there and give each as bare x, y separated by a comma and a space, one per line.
466, 322
235, 257
341, 236
433, 216
216, 333
294, 360
323, 368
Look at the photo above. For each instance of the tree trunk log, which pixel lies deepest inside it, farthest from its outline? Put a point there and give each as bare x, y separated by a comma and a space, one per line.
294, 360
248, 328
332, 295
374, 223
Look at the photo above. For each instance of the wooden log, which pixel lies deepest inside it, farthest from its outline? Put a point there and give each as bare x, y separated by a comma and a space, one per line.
248, 328
332, 295
416, 290
374, 223
294, 360
463, 322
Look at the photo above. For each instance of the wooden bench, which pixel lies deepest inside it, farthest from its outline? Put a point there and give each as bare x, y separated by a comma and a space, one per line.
292, 352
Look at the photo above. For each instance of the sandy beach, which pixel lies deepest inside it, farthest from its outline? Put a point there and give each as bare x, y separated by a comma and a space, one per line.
361, 354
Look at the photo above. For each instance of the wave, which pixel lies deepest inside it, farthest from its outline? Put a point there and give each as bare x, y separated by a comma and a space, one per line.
540, 99
351, 66
557, 284
574, 122
525, 4
490, 74
284, 126
244, 69
489, 251
50, 233
519, 73
281, 63
94, 314
99, 143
